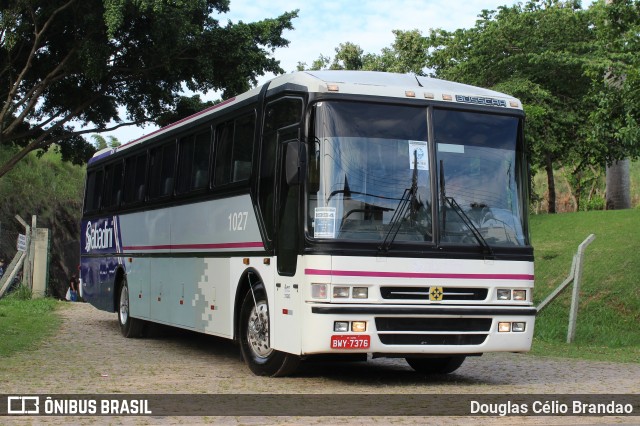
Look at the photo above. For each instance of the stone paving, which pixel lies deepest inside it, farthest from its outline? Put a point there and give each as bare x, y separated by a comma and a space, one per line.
89, 356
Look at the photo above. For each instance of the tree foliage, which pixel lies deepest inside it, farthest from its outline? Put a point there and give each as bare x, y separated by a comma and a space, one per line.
615, 92
70, 64
184, 107
575, 70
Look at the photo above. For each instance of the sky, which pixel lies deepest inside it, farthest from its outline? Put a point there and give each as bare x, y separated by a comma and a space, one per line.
323, 24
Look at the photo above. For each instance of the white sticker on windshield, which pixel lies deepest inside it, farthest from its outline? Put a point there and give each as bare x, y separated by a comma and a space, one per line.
324, 222
418, 155
447, 147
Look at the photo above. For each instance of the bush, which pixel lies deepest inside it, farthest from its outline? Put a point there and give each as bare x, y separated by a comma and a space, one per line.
595, 203
22, 292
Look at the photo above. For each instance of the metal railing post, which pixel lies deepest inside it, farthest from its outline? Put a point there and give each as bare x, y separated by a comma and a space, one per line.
575, 297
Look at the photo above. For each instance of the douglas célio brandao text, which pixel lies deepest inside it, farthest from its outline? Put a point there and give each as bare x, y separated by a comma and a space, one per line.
551, 407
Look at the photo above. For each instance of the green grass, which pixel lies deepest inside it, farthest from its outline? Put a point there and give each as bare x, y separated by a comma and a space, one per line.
609, 309
634, 177
25, 323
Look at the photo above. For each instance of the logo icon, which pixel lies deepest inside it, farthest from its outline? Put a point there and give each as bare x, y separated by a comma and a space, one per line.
23, 405
436, 294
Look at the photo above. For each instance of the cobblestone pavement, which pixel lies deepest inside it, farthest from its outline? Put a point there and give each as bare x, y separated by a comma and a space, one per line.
100, 361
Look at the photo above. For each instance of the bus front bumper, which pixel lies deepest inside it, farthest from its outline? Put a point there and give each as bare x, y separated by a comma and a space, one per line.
412, 329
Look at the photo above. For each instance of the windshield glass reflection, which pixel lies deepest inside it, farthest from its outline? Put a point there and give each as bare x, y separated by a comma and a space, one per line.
367, 159
370, 176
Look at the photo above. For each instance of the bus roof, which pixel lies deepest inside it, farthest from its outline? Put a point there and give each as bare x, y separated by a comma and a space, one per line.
371, 83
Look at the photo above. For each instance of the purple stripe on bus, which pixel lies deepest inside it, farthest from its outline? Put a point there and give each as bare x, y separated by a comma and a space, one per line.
196, 246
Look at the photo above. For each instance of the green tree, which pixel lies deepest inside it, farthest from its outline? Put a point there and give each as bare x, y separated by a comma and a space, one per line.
616, 97
408, 54
184, 107
537, 52
100, 142
348, 57
65, 62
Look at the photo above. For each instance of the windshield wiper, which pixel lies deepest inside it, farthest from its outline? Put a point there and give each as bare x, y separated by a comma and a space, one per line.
408, 199
465, 218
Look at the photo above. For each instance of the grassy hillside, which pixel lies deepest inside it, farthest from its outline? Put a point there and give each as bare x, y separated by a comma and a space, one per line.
609, 311
52, 190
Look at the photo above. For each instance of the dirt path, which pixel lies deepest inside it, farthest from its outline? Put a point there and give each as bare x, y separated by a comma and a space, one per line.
100, 361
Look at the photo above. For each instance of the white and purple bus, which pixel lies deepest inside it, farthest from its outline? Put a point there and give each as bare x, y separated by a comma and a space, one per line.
329, 212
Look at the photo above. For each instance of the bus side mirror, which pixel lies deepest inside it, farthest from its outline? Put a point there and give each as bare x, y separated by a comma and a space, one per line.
294, 161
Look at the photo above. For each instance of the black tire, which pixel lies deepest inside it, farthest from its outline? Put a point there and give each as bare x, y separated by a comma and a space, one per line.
129, 327
436, 365
261, 359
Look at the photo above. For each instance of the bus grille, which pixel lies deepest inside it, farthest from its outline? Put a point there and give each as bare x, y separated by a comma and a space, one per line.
422, 293
432, 331
432, 339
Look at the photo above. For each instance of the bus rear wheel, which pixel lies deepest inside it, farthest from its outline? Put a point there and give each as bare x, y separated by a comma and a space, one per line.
444, 365
129, 327
255, 344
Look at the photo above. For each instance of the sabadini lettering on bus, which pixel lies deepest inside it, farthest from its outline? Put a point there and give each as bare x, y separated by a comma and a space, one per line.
98, 237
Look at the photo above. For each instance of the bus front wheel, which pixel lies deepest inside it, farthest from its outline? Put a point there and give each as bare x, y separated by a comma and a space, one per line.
129, 327
255, 344
436, 365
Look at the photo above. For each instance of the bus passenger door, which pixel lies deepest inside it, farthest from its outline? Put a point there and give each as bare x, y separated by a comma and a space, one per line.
287, 230
287, 325
278, 202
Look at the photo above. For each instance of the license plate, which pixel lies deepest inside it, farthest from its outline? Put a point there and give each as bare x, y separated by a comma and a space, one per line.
347, 341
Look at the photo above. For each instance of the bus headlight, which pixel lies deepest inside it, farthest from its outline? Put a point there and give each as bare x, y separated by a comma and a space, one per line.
341, 292
319, 291
504, 327
359, 326
360, 292
504, 294
341, 326
520, 295
518, 327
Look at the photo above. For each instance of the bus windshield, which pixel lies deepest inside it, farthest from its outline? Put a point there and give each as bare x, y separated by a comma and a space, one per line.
370, 175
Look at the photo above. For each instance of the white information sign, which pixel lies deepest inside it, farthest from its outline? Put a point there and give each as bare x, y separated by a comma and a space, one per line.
421, 155
324, 222
22, 242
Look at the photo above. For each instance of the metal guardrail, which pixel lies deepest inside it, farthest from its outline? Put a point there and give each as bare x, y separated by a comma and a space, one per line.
575, 275
12, 271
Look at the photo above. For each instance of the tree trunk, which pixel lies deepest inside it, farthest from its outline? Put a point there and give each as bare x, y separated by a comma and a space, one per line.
618, 186
548, 166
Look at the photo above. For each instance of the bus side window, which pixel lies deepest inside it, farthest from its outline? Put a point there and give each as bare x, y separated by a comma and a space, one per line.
162, 170
243, 148
93, 194
223, 153
201, 154
112, 185
193, 162
185, 163
234, 150
134, 178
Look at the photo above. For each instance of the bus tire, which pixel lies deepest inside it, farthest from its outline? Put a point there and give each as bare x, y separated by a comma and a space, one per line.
129, 327
436, 365
261, 359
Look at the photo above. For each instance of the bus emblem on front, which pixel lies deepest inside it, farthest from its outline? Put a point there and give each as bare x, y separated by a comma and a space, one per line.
436, 294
